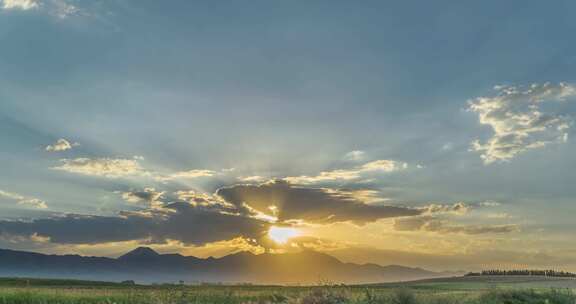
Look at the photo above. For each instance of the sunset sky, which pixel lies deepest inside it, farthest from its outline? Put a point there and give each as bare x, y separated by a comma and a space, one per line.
435, 134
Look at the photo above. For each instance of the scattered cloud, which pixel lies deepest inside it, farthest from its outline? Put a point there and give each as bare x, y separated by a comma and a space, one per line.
20, 4
489, 204
312, 205
190, 174
62, 8
501, 215
57, 8
432, 224
253, 178
149, 196
355, 155
448, 146
386, 166
104, 167
459, 208
60, 145
518, 122
23, 200
124, 168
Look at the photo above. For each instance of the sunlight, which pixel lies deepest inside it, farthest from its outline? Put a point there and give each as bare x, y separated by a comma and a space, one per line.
281, 235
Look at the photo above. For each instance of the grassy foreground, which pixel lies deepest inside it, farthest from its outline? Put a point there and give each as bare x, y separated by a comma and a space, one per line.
288, 295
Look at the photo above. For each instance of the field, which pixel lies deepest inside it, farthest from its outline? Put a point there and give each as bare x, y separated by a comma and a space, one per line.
493, 290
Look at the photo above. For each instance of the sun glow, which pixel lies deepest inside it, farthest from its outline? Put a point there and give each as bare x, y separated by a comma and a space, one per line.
281, 235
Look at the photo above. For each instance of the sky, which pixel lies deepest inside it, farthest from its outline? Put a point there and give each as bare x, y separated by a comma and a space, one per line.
435, 134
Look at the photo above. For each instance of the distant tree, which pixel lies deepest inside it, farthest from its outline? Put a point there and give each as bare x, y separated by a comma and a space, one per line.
523, 272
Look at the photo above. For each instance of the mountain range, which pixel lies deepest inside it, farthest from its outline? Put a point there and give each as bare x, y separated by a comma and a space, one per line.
144, 265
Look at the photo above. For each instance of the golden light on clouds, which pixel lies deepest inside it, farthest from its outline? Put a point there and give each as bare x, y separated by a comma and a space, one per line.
282, 235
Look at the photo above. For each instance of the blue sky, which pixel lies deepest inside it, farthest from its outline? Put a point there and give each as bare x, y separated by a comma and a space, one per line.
154, 98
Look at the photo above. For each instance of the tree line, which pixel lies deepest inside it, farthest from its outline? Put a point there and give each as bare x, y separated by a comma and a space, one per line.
523, 272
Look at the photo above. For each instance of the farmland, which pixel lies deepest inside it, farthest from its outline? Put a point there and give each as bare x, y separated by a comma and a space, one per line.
451, 290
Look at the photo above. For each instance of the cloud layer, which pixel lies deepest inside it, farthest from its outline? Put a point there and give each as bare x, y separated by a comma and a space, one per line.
312, 205
179, 221
518, 122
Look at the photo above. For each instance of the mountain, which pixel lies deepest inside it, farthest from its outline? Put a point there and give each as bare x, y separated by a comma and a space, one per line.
145, 265
140, 253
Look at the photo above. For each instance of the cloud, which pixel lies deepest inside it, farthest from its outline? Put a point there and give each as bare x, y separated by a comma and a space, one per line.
355, 155
489, 204
104, 167
57, 8
23, 200
448, 146
20, 4
432, 224
518, 122
190, 174
385, 166
60, 145
149, 196
459, 208
312, 205
127, 168
178, 221
62, 8
253, 178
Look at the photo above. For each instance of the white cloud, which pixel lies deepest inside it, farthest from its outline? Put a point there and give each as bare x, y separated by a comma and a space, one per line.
518, 122
349, 174
105, 167
448, 146
23, 200
60, 145
57, 8
384, 165
253, 178
355, 155
126, 168
20, 4
190, 174
489, 204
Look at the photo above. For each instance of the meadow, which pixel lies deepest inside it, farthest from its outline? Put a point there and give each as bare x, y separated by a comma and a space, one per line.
448, 291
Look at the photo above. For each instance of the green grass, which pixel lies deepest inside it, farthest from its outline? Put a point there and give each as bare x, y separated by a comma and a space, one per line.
424, 292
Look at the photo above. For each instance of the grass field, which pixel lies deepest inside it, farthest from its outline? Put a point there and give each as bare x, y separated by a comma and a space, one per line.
509, 290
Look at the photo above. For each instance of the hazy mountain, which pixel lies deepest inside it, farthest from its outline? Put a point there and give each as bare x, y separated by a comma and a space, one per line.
147, 266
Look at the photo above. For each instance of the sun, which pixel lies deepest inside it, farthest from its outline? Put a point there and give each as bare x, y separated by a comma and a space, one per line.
281, 235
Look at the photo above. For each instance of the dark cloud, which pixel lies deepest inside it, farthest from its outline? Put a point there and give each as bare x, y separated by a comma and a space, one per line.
315, 205
432, 224
148, 195
177, 221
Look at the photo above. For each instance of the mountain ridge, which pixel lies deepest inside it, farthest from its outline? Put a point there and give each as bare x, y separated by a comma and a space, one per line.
145, 265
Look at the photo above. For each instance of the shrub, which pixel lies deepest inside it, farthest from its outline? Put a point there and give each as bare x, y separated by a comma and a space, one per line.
324, 296
553, 296
403, 296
